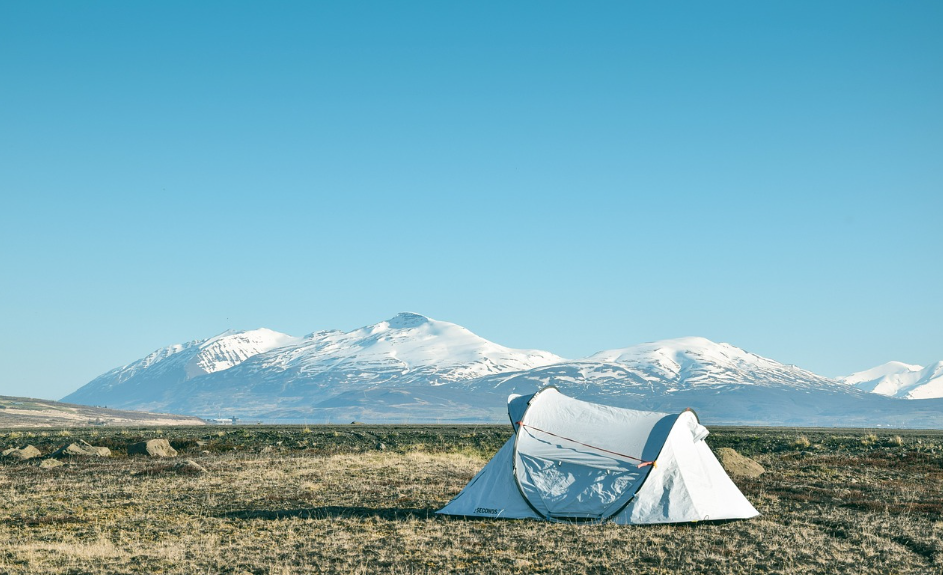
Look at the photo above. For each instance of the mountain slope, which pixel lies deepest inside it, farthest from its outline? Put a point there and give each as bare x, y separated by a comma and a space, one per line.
152, 381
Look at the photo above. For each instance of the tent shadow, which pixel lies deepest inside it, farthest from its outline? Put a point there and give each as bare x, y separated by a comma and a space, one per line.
333, 511
403, 513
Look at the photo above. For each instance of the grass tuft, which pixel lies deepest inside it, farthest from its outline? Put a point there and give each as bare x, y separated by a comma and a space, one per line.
801, 442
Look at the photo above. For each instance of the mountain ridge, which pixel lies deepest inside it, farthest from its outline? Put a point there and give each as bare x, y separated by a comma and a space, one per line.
415, 367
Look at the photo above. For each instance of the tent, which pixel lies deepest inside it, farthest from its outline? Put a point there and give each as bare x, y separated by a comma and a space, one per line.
571, 460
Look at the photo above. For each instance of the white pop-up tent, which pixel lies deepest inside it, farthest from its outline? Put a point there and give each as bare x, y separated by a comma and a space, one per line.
571, 460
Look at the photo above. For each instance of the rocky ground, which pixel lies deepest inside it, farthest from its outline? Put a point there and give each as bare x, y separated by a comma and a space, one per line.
361, 499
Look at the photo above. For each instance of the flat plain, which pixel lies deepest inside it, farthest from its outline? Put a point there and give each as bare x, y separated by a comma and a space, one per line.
26, 412
361, 499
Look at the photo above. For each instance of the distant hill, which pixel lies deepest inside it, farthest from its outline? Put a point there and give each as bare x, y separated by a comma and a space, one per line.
413, 368
896, 379
28, 412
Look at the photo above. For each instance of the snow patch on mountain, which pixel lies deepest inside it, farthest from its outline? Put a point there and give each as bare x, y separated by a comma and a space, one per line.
232, 348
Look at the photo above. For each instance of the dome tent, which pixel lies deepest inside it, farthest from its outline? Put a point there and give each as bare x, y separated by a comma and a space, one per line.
571, 460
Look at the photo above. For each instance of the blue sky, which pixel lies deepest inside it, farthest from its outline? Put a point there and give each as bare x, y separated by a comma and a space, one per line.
564, 176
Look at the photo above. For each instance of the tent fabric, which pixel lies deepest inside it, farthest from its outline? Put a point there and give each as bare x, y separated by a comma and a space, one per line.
572, 460
492, 492
517, 405
689, 484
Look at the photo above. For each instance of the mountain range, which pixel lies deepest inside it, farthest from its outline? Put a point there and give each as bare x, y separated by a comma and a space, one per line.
415, 369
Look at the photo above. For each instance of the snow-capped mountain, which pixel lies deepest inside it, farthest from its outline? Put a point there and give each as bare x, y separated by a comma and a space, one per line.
413, 368
408, 348
896, 379
719, 381
148, 380
661, 368
691, 362
244, 372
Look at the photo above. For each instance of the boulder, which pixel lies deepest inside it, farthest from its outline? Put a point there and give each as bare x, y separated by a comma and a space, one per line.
738, 465
153, 448
51, 464
21, 453
81, 449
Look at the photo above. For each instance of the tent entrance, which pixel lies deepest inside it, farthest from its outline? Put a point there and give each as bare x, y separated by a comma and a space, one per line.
565, 473
576, 489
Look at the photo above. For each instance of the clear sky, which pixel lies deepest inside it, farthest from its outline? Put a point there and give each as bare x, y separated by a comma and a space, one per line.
568, 176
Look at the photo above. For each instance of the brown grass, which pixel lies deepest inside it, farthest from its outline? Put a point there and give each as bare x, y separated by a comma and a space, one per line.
332, 500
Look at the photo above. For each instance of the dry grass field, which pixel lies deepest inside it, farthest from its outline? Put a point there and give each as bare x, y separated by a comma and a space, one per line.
361, 499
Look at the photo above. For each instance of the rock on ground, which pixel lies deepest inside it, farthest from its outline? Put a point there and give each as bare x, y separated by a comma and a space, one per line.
153, 448
738, 465
51, 464
81, 449
21, 453
185, 467
188, 466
